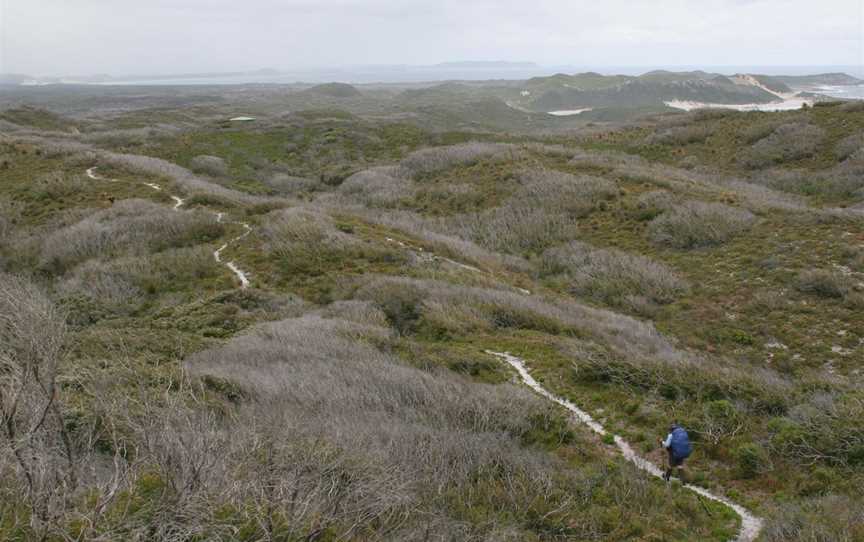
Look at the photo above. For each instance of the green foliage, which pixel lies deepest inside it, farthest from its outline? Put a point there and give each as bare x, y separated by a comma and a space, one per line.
752, 460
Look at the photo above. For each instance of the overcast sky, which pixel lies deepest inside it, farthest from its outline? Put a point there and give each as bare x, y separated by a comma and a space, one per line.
54, 37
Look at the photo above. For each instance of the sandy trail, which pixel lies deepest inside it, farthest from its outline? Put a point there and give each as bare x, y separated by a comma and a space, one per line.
241, 275
217, 254
750, 524
460, 265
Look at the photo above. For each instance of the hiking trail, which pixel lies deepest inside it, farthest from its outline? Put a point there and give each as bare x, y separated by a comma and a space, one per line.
751, 525
241, 275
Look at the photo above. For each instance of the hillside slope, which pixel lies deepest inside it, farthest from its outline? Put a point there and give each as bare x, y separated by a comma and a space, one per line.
704, 267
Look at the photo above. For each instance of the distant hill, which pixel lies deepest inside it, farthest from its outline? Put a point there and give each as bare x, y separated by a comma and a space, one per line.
336, 90
592, 90
13, 78
838, 79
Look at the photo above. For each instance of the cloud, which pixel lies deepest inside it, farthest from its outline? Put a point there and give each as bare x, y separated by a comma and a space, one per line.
134, 36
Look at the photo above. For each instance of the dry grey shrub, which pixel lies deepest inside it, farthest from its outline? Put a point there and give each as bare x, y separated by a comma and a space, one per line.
650, 204
828, 518
38, 460
751, 133
755, 197
326, 401
544, 211
299, 232
378, 187
824, 283
128, 137
852, 106
825, 429
10, 214
209, 165
681, 135
689, 376
432, 160
434, 233
56, 185
697, 224
121, 284
464, 309
128, 227
611, 276
850, 146
788, 142
285, 184
359, 312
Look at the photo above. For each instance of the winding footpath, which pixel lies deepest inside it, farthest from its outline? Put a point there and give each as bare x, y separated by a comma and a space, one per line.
460, 265
751, 525
241, 275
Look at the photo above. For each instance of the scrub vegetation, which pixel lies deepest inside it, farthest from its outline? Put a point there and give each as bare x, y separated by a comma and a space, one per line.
703, 267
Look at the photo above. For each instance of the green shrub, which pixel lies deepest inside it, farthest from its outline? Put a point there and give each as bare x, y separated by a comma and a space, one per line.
752, 460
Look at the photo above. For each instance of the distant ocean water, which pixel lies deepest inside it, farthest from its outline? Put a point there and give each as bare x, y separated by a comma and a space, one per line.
416, 74
846, 93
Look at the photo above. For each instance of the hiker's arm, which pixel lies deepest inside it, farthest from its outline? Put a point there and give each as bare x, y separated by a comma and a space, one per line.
668, 441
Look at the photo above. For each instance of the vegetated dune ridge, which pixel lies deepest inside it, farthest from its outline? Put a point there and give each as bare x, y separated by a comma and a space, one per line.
750, 524
241, 275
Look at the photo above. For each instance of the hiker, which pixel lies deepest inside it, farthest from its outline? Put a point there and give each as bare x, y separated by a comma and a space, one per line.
677, 444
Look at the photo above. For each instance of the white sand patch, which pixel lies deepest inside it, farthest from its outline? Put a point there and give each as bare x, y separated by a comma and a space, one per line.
570, 112
750, 524
789, 104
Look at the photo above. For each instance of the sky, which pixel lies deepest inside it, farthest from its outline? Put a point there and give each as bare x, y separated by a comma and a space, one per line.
135, 37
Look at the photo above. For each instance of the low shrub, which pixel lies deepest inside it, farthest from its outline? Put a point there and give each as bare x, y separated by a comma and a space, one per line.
849, 146
654, 203
825, 429
831, 517
697, 224
542, 213
378, 187
122, 285
209, 165
290, 185
432, 160
127, 227
824, 283
752, 459
610, 276
788, 142
681, 135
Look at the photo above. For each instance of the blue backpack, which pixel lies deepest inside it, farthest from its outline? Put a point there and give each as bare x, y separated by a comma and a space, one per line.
680, 445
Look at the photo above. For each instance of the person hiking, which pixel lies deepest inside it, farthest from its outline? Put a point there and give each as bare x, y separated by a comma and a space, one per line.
677, 444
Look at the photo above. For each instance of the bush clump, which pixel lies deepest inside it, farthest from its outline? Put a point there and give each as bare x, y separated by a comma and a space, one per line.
209, 165
428, 161
824, 283
377, 187
788, 142
696, 224
613, 277
128, 227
